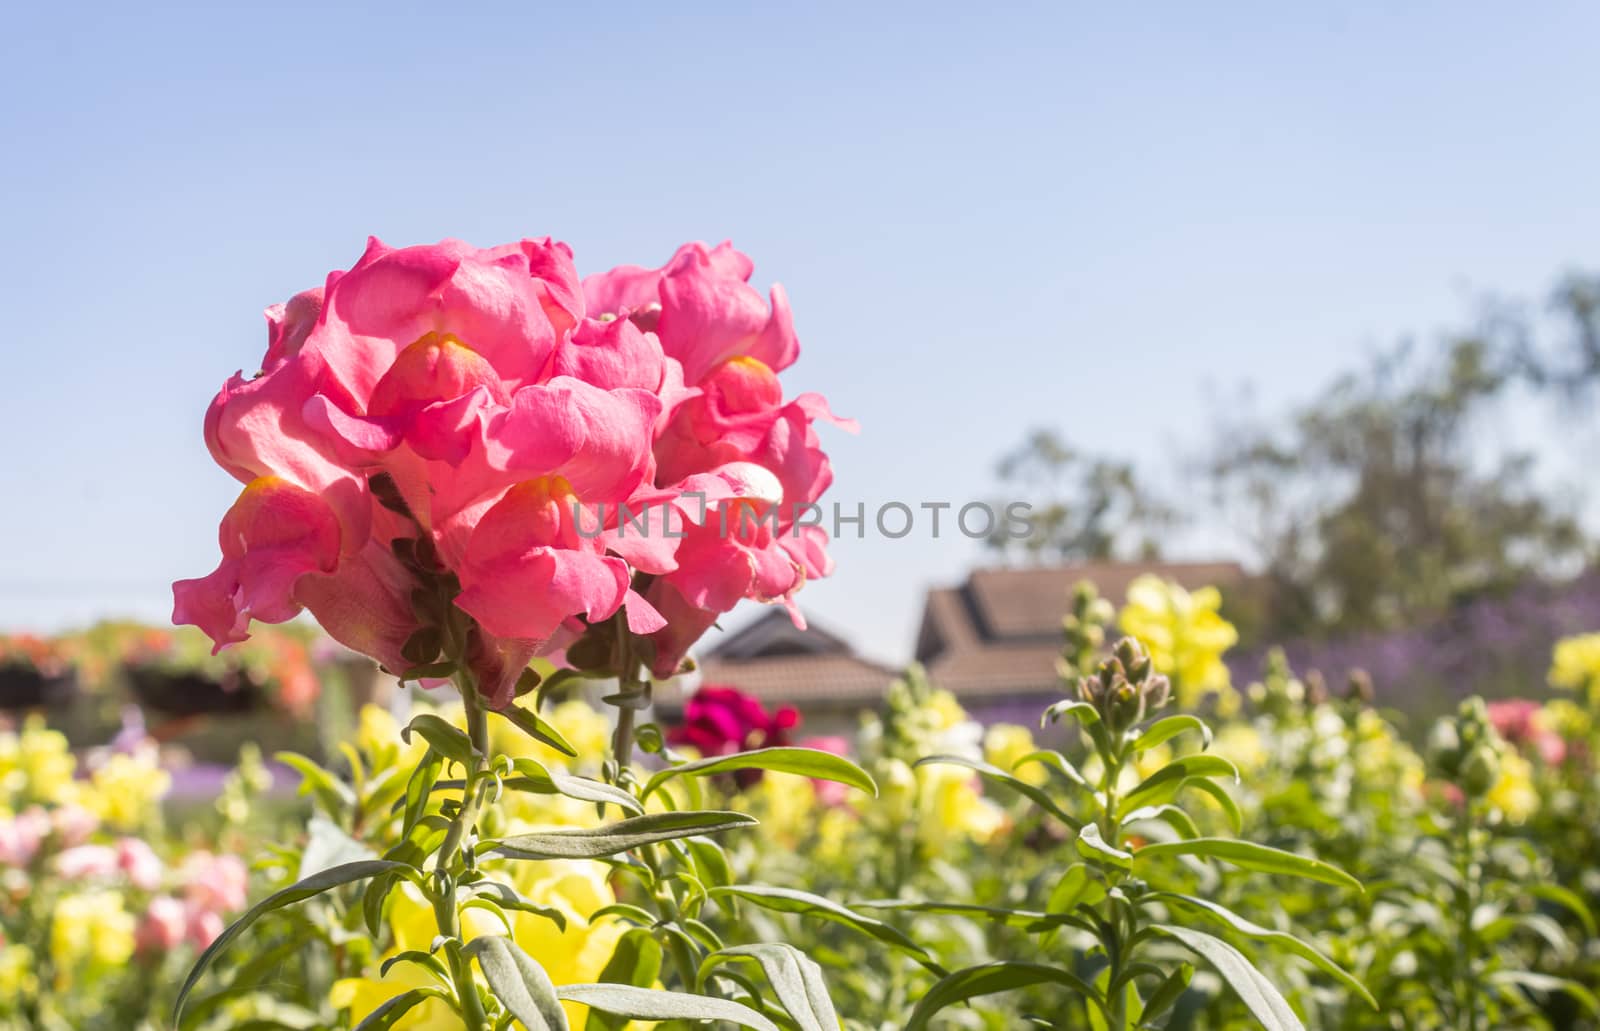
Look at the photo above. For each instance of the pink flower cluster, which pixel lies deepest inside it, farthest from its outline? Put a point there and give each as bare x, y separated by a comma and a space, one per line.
488, 418
214, 888
1522, 722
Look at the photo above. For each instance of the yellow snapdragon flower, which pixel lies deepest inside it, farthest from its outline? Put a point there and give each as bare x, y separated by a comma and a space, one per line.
1006, 743
90, 932
17, 978
575, 955
1185, 635
1575, 665
36, 765
1513, 792
126, 789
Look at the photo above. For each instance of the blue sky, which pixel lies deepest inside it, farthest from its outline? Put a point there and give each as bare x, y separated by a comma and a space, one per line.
986, 220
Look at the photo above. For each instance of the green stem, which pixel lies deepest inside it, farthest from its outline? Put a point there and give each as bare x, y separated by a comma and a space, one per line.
1111, 832
1466, 943
448, 862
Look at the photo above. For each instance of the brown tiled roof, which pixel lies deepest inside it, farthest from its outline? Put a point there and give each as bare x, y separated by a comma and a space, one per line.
1031, 602
1000, 632
804, 680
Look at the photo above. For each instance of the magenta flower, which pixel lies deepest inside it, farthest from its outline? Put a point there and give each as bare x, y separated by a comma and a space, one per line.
718, 720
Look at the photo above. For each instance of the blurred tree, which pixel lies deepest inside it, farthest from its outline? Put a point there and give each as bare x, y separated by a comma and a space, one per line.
1084, 507
1371, 507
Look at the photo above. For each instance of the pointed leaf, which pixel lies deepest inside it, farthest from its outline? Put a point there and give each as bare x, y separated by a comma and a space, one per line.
536, 727
790, 900
1092, 846
796, 981
1304, 950
807, 762
1001, 777
646, 1004
1247, 856
519, 982
446, 739
1259, 996
614, 838
395, 1010
1164, 730
297, 892
986, 979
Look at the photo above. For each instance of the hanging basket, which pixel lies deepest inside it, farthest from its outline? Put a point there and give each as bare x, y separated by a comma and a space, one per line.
22, 687
174, 693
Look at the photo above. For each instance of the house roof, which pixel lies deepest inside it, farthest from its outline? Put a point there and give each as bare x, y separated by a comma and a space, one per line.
783, 665
847, 681
1000, 632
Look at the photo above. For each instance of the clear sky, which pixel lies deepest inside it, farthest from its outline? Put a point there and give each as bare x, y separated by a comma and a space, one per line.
986, 219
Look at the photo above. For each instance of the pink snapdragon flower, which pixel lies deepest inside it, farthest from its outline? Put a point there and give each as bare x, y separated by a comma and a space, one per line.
139, 863
87, 863
1522, 722
215, 883
163, 926
476, 424
22, 835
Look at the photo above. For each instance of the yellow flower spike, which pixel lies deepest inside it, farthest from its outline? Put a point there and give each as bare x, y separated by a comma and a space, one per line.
1513, 792
125, 789
90, 933
1575, 665
1185, 635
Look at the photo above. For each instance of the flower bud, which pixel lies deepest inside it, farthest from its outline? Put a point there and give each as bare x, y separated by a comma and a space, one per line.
1479, 771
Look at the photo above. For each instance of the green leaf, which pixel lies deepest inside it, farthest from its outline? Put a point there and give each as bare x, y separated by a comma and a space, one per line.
533, 776
796, 981
710, 862
1247, 856
1304, 950
298, 892
1052, 759
988, 978
444, 738
999, 776
1167, 994
427, 960
507, 897
393, 1011
536, 727
519, 982
1077, 885
1546, 983
1164, 784
418, 788
790, 900
1092, 846
334, 794
1264, 1001
1168, 814
1569, 900
635, 961
645, 1004
614, 838
807, 762
1164, 730
1083, 712
1030, 919
1219, 795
